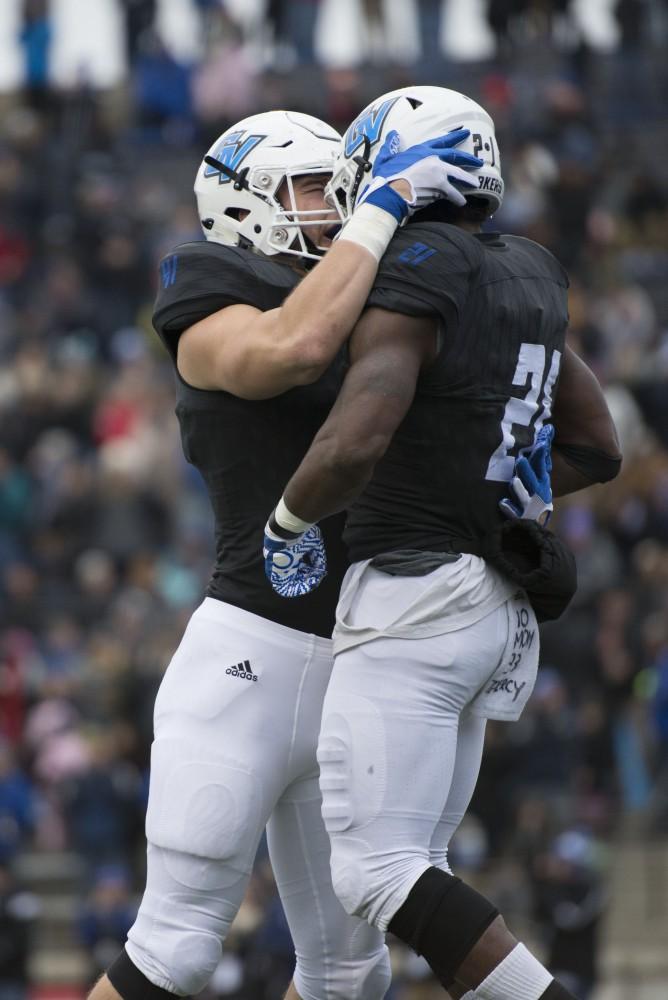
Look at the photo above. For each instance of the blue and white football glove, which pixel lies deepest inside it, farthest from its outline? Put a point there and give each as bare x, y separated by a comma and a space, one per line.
433, 169
294, 566
530, 485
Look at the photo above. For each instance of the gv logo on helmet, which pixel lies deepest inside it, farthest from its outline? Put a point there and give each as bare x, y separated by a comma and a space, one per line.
232, 151
369, 124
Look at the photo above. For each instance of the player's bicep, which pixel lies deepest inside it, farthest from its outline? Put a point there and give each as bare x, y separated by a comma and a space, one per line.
581, 415
231, 350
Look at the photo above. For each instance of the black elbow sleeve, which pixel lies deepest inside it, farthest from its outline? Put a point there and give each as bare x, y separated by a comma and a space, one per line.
592, 463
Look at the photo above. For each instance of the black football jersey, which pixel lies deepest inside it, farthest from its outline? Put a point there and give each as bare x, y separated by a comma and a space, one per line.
246, 450
501, 306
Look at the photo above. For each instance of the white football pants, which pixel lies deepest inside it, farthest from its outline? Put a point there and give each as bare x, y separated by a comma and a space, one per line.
236, 726
401, 744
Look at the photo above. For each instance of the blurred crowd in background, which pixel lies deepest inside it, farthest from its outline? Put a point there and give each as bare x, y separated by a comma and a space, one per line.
105, 532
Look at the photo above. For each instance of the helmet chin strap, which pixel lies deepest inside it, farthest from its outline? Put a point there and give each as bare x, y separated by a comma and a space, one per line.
313, 248
297, 247
363, 166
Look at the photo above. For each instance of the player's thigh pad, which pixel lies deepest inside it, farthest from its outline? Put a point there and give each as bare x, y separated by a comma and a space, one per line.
207, 813
360, 783
387, 753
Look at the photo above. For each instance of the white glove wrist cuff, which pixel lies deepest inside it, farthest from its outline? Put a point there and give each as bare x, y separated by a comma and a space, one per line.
370, 227
289, 521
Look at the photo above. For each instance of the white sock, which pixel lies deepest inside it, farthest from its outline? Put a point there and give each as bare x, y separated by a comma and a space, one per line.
519, 976
468, 996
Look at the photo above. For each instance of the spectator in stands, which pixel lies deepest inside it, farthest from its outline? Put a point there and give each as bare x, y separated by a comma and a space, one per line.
162, 93
36, 36
293, 23
139, 19
106, 916
569, 902
103, 803
17, 806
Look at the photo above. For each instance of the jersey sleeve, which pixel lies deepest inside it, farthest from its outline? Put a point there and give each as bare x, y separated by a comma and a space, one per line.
198, 279
554, 266
427, 270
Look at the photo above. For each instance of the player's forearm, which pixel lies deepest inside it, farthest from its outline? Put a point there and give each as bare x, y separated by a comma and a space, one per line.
387, 352
320, 313
318, 316
328, 481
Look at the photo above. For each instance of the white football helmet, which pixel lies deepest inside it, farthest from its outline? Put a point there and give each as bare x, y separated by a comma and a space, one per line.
238, 182
417, 114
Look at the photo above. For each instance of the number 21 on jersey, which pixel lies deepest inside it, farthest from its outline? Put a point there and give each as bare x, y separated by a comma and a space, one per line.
531, 364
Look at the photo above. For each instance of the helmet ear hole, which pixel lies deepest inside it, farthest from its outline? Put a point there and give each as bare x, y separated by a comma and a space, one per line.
236, 212
340, 196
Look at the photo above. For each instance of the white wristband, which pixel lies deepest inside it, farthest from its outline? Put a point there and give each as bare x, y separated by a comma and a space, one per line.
285, 519
370, 227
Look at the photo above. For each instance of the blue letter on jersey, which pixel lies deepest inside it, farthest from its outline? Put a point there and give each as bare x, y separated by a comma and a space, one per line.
368, 125
232, 151
168, 270
417, 254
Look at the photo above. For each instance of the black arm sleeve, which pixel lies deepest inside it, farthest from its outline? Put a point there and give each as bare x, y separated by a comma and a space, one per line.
198, 279
427, 270
592, 463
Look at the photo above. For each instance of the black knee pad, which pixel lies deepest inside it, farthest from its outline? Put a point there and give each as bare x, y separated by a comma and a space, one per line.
442, 919
132, 984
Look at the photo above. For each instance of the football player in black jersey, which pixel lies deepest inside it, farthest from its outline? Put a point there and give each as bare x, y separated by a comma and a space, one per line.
238, 711
456, 367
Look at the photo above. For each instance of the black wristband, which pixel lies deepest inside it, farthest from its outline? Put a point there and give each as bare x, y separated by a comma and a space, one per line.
279, 530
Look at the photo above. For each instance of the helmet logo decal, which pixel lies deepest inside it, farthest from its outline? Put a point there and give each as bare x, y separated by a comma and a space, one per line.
232, 151
369, 125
